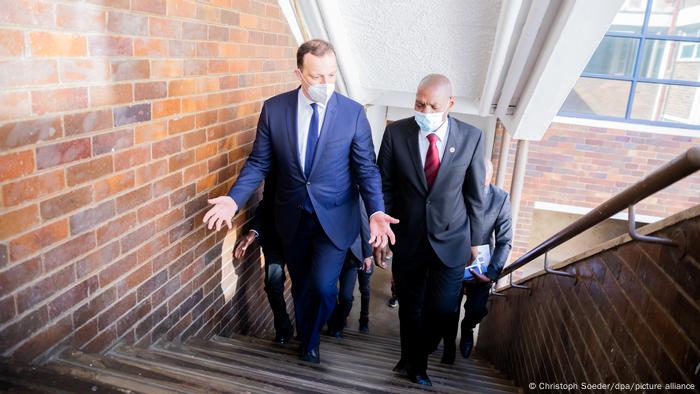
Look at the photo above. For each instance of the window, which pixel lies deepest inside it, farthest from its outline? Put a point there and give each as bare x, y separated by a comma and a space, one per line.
646, 69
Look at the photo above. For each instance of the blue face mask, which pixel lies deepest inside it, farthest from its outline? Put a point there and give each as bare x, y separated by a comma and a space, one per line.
429, 122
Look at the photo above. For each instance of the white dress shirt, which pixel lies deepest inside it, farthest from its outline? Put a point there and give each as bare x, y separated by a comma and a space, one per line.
423, 143
304, 113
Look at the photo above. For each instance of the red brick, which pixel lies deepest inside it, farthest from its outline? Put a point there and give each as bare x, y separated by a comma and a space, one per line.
44, 340
183, 49
130, 69
116, 228
181, 8
207, 49
90, 218
57, 44
111, 95
127, 23
182, 195
152, 209
72, 297
84, 70
152, 6
115, 270
15, 105
180, 161
97, 259
166, 68
80, 18
26, 12
18, 275
206, 119
7, 309
171, 218
134, 279
181, 87
194, 31
66, 202
159, 27
61, 153
124, 4
23, 328
112, 314
150, 90
30, 188
195, 172
179, 125
113, 185
11, 43
13, 135
13, 73
86, 122
112, 142
194, 138
137, 237
68, 251
15, 222
15, 165
110, 46
166, 108
133, 199
132, 114
31, 243
89, 171
132, 157
150, 47
167, 185
150, 172
166, 147
218, 33
230, 18
56, 100
151, 132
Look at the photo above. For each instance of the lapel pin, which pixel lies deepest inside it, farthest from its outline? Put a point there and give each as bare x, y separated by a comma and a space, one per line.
452, 149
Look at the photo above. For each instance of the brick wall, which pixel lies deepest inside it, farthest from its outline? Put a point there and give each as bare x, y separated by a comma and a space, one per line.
118, 119
584, 166
631, 316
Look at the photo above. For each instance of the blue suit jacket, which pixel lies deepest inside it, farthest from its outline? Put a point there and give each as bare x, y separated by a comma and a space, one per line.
344, 160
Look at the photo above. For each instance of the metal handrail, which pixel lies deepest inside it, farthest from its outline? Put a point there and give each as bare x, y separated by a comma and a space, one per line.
680, 167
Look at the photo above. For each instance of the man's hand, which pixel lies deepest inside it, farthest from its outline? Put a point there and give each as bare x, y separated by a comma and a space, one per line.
222, 212
380, 229
381, 256
475, 253
367, 264
243, 244
478, 277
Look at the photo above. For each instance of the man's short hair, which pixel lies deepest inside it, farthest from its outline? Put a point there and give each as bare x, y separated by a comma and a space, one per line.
314, 47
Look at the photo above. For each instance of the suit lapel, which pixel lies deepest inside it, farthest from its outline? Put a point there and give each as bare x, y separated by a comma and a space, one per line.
326, 128
292, 132
448, 155
414, 152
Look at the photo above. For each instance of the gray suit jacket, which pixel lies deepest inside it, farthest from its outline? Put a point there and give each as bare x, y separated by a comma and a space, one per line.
498, 219
452, 212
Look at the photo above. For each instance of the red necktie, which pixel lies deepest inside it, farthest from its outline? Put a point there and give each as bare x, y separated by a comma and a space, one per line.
432, 161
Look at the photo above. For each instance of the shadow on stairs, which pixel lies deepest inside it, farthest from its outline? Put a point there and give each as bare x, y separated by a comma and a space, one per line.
359, 363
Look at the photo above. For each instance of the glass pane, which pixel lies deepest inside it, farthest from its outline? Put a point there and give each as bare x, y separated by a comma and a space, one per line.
675, 18
630, 18
667, 103
614, 56
595, 96
669, 60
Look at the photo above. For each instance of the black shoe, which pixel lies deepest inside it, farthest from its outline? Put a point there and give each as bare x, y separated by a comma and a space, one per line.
364, 325
448, 354
311, 356
400, 368
421, 378
335, 334
393, 302
466, 343
281, 338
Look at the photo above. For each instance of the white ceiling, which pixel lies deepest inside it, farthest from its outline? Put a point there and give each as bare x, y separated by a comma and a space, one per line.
522, 55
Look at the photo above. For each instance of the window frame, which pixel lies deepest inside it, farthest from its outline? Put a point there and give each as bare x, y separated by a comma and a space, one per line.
642, 37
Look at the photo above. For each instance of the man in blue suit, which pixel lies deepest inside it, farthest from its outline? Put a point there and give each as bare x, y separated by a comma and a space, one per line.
320, 145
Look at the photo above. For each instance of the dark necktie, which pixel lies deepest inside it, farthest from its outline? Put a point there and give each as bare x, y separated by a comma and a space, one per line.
311, 140
432, 161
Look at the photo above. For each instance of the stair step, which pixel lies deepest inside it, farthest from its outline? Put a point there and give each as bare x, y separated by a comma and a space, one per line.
378, 367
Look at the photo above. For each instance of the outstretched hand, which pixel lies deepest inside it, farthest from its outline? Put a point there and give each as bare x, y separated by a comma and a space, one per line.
380, 230
221, 213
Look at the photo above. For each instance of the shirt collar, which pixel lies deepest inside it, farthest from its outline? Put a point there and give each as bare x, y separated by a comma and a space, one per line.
441, 131
305, 102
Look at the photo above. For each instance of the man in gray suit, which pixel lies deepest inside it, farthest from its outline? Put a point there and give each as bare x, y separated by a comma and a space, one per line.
498, 220
432, 169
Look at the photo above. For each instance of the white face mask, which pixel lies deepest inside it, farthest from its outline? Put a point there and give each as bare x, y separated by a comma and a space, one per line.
429, 122
319, 93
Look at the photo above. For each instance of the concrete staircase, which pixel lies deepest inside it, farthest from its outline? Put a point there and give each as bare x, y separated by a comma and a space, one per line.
359, 363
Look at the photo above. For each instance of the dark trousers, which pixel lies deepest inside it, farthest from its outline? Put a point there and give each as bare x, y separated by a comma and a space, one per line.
314, 264
348, 276
274, 288
428, 293
474, 310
